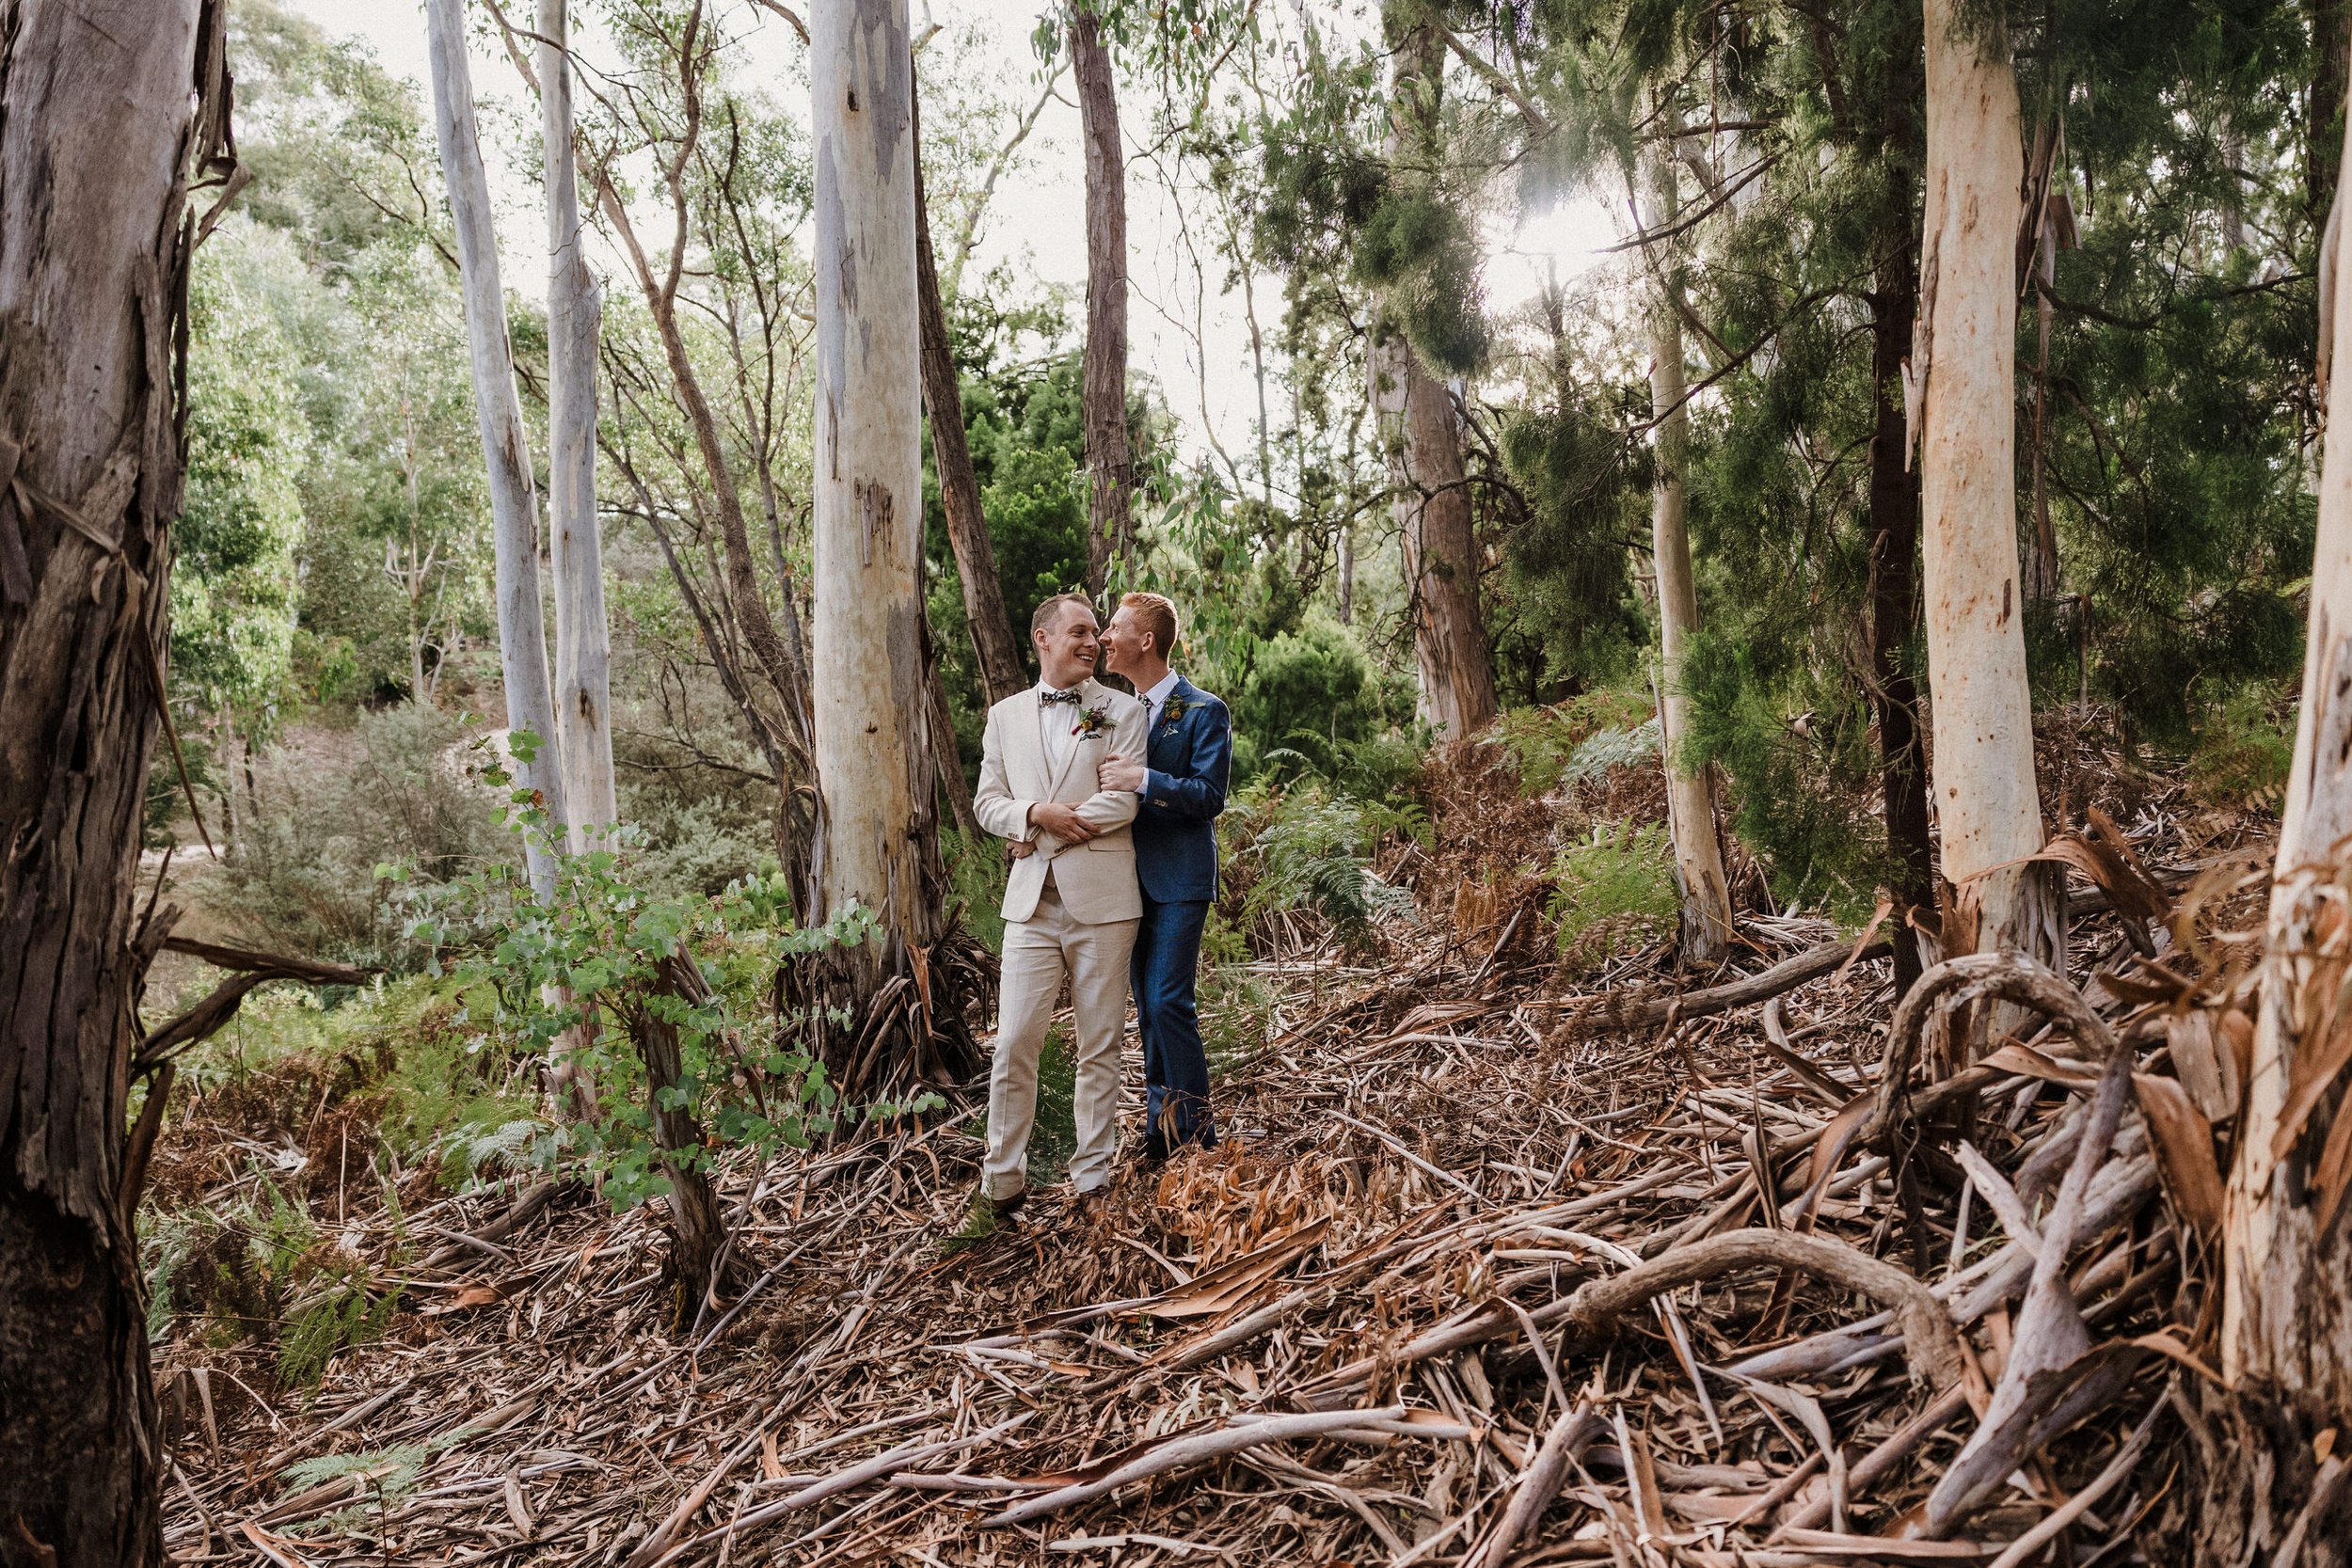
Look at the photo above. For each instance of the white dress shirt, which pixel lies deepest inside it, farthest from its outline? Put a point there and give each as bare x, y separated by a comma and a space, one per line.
1156, 699
1056, 722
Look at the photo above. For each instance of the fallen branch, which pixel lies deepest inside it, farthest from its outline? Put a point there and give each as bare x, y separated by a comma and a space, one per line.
1591, 1015
1197, 1448
1930, 1340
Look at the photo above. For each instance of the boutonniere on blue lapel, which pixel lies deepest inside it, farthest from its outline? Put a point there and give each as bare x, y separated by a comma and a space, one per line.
1092, 722
1175, 708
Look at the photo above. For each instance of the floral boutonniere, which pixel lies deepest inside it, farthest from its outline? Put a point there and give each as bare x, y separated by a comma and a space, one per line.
1175, 708
1091, 722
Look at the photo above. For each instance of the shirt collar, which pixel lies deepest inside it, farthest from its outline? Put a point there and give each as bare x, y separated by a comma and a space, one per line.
1158, 695
1045, 685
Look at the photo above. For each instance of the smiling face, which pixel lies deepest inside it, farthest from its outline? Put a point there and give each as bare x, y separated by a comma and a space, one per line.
1067, 648
1125, 644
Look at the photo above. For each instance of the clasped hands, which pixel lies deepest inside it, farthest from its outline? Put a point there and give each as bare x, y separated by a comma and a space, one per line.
1063, 821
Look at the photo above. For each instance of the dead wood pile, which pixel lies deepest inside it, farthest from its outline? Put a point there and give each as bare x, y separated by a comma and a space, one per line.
1485, 1275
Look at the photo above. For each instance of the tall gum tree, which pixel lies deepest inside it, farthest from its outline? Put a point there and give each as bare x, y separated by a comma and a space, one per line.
584, 644
1429, 496
108, 109
881, 838
2286, 1332
1964, 357
505, 447
1110, 455
1689, 791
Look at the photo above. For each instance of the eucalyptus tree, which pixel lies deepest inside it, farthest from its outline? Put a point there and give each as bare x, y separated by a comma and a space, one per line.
1110, 454
878, 848
109, 114
505, 445
583, 643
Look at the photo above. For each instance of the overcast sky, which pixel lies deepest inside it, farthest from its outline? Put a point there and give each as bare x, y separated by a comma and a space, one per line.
1035, 224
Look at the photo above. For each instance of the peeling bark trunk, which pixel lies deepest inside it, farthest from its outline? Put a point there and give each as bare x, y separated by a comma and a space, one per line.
870, 678
584, 645
2287, 1304
1002, 672
1689, 791
1110, 459
105, 109
1893, 551
1432, 511
1430, 499
1980, 707
505, 448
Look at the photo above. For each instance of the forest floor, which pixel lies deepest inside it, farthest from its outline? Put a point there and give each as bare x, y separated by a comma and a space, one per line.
1471, 1280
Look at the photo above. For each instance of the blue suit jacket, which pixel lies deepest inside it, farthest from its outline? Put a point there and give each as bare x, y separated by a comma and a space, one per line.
1187, 761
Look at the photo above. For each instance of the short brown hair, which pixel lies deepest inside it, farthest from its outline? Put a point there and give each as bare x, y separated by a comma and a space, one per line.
1050, 612
1155, 614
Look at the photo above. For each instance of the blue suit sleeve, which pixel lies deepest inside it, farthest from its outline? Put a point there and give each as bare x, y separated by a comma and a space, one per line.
1197, 794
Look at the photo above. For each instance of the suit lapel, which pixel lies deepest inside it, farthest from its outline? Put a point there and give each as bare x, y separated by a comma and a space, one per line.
1056, 772
1164, 728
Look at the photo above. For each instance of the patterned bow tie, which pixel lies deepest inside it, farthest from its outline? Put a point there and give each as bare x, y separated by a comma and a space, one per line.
1046, 699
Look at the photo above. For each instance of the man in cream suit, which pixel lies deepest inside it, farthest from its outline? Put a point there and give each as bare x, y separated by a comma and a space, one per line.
1072, 903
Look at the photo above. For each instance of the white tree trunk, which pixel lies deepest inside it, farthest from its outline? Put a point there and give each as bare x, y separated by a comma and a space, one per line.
1981, 708
514, 506
1690, 792
869, 683
583, 646
2287, 1303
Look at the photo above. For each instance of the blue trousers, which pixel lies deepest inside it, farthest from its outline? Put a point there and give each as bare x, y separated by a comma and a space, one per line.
1166, 964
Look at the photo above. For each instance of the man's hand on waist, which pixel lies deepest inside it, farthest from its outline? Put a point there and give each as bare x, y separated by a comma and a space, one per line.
1062, 821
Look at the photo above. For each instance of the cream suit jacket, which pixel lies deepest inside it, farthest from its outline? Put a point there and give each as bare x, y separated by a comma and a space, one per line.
1097, 878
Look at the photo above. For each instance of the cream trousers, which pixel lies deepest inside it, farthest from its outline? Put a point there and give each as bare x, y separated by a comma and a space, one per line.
1040, 953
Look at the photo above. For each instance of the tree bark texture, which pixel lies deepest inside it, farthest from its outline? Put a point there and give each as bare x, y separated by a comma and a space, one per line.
868, 501
1894, 585
584, 645
1110, 459
697, 1226
107, 107
1689, 791
2286, 1318
1002, 672
1966, 355
1431, 505
2288, 1307
1430, 497
505, 447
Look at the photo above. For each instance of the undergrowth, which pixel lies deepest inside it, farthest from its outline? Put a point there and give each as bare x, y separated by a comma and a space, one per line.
1614, 890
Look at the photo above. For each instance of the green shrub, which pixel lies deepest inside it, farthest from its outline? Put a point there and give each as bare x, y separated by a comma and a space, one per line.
1312, 703
1310, 847
605, 960
1615, 888
1578, 739
2245, 747
327, 809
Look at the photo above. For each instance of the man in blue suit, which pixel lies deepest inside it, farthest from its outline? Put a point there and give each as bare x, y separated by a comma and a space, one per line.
1180, 777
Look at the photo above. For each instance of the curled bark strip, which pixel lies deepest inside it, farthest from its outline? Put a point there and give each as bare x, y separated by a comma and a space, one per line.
1930, 1341
1958, 982
1195, 1448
